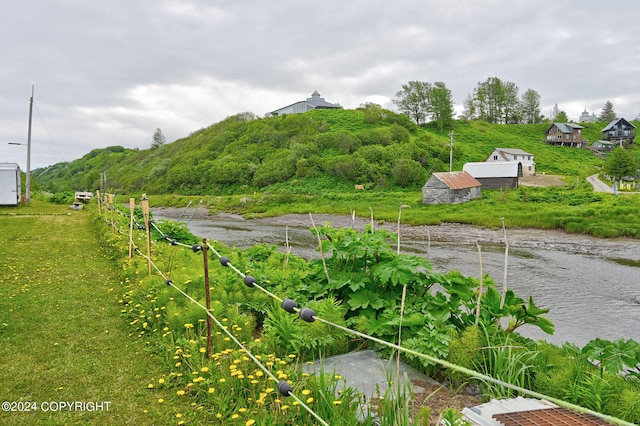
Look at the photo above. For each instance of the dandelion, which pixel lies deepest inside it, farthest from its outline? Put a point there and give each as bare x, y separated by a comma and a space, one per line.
203, 350
150, 386
160, 400
337, 402
178, 415
250, 422
188, 325
235, 416
306, 392
180, 392
222, 380
161, 381
285, 408
309, 400
211, 390
243, 410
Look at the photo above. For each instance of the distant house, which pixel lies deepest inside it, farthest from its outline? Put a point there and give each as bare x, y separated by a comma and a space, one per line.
565, 134
314, 102
619, 132
450, 188
602, 146
514, 154
493, 175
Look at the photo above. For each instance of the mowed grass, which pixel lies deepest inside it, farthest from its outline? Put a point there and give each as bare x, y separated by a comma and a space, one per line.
62, 336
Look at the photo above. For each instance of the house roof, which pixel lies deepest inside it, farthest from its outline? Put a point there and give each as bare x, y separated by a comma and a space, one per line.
565, 127
457, 180
315, 101
492, 169
512, 151
614, 122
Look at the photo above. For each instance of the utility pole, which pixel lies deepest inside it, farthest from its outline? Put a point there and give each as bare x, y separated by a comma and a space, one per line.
450, 151
28, 181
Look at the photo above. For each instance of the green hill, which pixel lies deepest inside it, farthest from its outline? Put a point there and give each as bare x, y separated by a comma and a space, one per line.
330, 149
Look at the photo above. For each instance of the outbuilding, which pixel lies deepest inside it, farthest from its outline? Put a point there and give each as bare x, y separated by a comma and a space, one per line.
450, 188
494, 175
10, 187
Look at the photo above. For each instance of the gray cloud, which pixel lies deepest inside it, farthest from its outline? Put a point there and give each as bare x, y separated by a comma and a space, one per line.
110, 73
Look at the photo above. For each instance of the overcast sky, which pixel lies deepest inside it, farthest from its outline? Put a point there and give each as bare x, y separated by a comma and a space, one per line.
112, 72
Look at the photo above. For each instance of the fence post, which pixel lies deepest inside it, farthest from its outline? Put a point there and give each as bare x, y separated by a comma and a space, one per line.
113, 224
132, 206
99, 202
145, 214
207, 294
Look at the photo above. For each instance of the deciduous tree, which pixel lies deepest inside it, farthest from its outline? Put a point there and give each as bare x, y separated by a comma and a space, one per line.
158, 139
441, 105
530, 107
413, 100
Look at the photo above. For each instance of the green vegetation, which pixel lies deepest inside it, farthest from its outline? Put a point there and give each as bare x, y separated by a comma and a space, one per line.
115, 333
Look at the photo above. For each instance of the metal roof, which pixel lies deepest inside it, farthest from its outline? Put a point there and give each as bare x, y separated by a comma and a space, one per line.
512, 151
566, 127
526, 411
614, 122
492, 169
457, 180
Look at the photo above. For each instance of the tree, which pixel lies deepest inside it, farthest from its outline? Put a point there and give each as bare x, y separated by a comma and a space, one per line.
621, 163
561, 117
158, 139
440, 105
413, 100
608, 114
494, 101
555, 112
530, 107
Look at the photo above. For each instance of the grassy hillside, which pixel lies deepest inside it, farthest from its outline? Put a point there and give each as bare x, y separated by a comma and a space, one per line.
331, 149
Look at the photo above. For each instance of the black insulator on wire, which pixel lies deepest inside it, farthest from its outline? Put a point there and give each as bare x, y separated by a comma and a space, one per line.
166, 237
224, 261
136, 249
249, 281
168, 281
196, 248
174, 242
289, 306
141, 227
284, 388
307, 314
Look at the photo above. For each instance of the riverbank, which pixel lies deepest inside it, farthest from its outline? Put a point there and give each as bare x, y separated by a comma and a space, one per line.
624, 249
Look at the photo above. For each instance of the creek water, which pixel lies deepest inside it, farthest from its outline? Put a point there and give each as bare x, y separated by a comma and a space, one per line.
590, 292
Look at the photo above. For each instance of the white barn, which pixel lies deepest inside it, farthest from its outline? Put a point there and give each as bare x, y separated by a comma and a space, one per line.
497, 174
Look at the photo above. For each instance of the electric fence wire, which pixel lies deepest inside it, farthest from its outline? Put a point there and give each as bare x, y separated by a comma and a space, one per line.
309, 315
283, 386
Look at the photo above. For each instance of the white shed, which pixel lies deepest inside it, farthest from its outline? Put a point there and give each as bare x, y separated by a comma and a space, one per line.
10, 187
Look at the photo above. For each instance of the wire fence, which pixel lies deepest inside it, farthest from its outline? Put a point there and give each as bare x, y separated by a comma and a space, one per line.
304, 313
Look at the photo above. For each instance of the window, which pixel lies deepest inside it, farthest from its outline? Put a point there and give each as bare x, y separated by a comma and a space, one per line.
495, 158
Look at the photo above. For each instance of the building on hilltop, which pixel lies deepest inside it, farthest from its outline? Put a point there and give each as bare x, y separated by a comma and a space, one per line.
514, 154
565, 134
314, 102
586, 118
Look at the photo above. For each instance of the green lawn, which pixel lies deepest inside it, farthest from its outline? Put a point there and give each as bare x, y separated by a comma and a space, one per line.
62, 336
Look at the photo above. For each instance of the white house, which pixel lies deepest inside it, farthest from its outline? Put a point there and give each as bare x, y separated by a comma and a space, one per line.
514, 154
314, 102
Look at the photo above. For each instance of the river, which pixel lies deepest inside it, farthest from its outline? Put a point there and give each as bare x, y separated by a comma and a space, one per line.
590, 285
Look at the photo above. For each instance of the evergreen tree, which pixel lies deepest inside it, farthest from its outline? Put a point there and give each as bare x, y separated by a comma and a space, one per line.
621, 163
608, 114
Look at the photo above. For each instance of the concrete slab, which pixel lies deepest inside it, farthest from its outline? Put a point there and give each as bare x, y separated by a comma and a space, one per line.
363, 370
